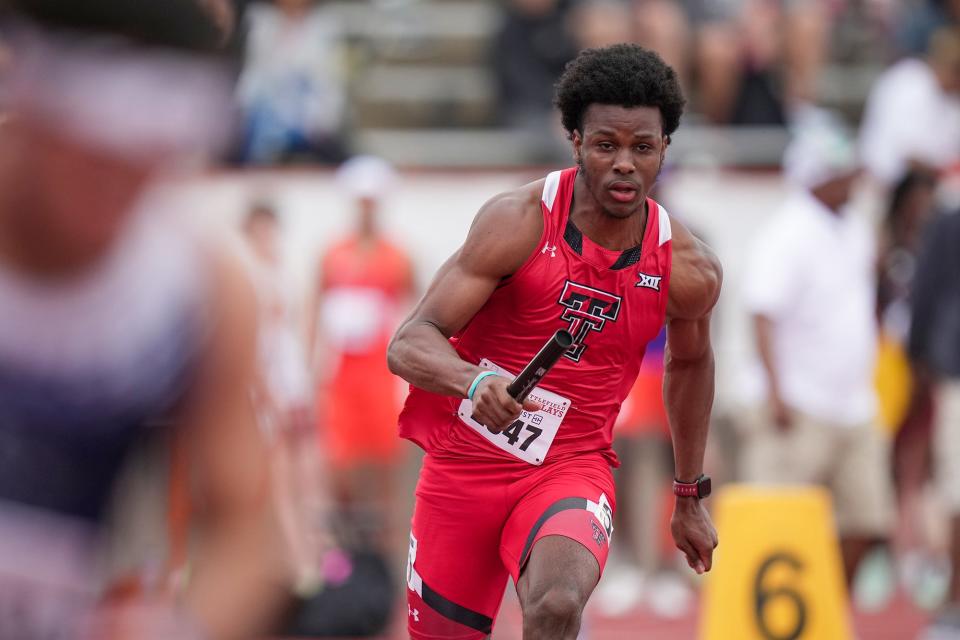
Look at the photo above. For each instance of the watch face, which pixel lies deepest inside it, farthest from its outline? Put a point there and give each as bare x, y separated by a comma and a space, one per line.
704, 486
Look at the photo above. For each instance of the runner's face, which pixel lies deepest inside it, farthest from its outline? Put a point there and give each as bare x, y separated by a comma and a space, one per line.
620, 152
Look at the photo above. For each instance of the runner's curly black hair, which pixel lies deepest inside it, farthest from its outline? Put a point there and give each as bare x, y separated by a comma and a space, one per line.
625, 75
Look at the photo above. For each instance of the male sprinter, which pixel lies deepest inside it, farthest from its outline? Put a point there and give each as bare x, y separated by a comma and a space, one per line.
527, 490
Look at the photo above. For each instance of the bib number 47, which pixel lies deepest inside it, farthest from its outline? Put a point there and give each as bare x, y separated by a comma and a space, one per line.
518, 430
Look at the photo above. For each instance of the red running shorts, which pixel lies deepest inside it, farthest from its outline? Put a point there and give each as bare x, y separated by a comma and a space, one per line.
476, 522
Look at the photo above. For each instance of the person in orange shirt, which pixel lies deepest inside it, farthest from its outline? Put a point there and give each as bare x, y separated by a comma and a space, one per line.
361, 289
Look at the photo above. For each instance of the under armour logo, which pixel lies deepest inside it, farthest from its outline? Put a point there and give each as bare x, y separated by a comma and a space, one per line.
413, 613
552, 250
650, 282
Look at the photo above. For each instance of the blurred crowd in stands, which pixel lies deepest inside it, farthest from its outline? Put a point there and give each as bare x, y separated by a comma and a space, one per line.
306, 64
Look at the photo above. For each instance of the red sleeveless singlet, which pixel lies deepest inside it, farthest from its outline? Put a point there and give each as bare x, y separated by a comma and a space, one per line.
612, 302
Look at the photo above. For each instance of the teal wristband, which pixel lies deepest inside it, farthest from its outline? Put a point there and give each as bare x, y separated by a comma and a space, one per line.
476, 382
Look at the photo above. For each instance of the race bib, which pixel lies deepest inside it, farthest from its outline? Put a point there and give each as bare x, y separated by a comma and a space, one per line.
530, 436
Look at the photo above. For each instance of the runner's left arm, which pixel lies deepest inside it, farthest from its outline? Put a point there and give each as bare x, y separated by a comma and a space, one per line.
688, 384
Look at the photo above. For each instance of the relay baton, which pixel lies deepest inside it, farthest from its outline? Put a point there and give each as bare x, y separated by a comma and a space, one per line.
555, 347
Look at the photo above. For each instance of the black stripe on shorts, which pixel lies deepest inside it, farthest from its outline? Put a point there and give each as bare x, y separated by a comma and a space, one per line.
563, 504
455, 612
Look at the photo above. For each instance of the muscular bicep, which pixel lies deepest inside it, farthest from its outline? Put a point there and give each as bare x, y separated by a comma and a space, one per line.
504, 234
695, 279
688, 340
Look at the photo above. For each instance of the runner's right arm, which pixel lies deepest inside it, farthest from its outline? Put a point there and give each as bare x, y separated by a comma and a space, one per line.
503, 235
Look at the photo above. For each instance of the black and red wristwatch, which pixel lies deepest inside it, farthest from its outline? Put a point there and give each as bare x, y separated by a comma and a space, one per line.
699, 488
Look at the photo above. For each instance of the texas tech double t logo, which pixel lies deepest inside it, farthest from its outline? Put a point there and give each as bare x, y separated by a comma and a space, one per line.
586, 309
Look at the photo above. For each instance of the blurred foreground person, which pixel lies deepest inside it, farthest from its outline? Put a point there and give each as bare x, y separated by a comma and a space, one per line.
810, 290
118, 320
361, 290
935, 350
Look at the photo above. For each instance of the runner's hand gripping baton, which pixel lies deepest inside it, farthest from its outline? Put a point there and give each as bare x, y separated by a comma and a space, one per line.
555, 347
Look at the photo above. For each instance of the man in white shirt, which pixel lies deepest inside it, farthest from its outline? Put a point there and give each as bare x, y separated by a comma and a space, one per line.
810, 291
912, 115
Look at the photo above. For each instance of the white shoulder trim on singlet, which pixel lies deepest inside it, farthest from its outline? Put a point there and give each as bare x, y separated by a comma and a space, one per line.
550, 187
666, 231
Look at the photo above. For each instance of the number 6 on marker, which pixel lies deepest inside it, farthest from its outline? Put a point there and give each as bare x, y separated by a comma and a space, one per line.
765, 596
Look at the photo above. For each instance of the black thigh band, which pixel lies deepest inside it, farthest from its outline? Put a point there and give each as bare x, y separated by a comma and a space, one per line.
563, 504
455, 612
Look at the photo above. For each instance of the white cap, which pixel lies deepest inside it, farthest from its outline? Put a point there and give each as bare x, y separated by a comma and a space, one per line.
821, 149
366, 177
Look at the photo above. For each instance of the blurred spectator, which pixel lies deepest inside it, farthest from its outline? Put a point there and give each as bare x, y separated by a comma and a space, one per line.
529, 53
292, 87
897, 132
918, 20
120, 321
601, 23
739, 54
361, 288
935, 348
911, 205
283, 399
905, 402
807, 29
340, 588
810, 289
757, 60
281, 354
664, 26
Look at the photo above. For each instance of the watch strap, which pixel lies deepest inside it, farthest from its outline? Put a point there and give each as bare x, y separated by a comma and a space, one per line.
693, 489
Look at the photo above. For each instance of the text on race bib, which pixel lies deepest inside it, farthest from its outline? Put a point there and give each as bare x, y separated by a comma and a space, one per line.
530, 436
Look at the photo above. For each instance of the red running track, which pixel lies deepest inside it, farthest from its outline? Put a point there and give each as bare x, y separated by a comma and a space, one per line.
900, 620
